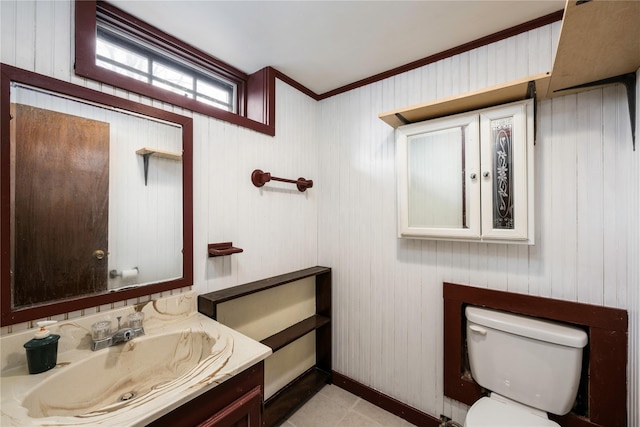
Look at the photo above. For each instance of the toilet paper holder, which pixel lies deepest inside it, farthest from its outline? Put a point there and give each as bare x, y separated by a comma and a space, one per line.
125, 274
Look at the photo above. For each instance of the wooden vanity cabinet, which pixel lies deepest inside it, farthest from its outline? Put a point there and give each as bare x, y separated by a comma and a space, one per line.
237, 402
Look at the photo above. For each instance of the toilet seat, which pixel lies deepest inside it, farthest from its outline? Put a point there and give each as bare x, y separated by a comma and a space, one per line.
490, 412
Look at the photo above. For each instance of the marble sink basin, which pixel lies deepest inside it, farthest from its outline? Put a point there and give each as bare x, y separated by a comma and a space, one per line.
118, 376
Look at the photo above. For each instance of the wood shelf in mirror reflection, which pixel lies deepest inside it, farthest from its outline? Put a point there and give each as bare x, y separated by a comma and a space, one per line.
146, 152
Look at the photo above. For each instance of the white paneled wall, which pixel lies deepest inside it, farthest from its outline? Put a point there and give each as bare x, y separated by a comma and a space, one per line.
276, 225
388, 291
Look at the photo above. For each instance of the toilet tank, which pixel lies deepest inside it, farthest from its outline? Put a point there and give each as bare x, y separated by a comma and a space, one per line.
534, 362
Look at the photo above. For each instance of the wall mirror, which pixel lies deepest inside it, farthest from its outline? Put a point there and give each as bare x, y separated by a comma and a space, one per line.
96, 198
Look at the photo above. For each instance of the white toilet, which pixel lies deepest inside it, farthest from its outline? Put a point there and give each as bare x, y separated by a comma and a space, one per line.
530, 367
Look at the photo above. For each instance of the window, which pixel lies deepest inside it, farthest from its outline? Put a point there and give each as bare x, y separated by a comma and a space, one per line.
118, 49
131, 57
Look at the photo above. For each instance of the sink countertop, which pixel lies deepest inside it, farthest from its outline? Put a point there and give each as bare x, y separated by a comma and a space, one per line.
235, 353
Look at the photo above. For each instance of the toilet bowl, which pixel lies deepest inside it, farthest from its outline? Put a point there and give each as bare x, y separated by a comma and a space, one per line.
498, 411
531, 367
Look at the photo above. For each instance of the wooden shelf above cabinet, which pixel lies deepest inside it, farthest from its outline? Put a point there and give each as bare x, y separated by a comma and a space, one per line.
599, 39
599, 44
516, 90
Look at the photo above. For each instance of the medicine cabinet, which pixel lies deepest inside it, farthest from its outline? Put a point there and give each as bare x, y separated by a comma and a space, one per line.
468, 177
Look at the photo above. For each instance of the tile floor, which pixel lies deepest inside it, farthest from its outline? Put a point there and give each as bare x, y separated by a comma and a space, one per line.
336, 407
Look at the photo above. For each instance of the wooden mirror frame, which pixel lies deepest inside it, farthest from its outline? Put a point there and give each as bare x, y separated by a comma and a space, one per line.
9, 314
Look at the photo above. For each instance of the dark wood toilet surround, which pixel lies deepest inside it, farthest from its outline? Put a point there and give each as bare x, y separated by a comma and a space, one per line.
605, 369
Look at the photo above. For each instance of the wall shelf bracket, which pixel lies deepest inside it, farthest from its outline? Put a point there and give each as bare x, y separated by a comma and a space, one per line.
222, 249
148, 152
629, 81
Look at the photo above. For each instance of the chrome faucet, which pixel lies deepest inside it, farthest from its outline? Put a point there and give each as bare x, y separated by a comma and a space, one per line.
101, 336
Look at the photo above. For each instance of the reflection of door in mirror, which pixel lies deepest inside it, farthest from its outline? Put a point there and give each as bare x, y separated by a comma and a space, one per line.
61, 205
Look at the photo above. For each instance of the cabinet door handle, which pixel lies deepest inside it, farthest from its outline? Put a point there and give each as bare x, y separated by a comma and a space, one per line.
485, 174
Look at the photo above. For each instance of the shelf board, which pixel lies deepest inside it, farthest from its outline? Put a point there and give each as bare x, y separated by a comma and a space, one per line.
598, 40
515, 90
146, 151
208, 301
293, 332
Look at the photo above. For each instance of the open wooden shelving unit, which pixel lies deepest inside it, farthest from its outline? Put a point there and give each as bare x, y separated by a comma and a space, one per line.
298, 391
599, 44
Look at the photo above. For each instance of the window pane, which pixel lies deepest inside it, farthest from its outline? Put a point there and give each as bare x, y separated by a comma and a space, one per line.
171, 88
221, 97
213, 103
171, 76
126, 55
121, 70
109, 51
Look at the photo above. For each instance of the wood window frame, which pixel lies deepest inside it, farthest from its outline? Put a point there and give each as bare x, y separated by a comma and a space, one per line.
607, 348
256, 92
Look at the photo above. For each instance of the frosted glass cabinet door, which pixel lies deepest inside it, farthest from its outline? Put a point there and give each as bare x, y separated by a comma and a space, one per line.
438, 183
506, 135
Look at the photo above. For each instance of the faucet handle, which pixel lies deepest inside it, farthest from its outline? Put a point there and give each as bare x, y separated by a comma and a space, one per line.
101, 330
136, 319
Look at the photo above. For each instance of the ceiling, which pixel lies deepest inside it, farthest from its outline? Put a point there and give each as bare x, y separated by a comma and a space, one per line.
325, 45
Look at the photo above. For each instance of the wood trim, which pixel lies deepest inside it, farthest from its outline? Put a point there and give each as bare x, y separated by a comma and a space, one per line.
385, 402
288, 80
217, 399
261, 96
5, 198
565, 311
257, 108
608, 341
483, 41
8, 316
85, 66
324, 333
608, 377
236, 413
207, 302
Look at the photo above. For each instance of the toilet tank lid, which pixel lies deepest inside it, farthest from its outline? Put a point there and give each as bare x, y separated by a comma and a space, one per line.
543, 330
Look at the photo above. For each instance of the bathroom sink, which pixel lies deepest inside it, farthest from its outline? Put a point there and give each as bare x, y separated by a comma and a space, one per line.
122, 375
182, 355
